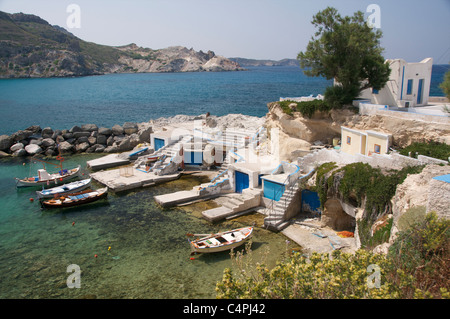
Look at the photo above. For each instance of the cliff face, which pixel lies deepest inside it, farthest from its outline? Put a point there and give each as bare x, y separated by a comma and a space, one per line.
297, 133
31, 47
174, 59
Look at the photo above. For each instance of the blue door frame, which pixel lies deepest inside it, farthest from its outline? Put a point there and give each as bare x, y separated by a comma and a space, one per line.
242, 181
273, 190
420, 92
158, 143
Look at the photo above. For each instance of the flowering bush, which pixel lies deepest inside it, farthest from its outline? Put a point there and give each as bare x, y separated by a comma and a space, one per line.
345, 275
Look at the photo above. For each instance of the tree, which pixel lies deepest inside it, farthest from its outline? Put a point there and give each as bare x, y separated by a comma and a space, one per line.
445, 86
348, 50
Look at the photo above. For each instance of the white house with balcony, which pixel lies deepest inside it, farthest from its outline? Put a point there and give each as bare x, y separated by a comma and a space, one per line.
408, 85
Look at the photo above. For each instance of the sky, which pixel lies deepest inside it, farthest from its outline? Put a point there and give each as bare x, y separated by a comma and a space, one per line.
255, 29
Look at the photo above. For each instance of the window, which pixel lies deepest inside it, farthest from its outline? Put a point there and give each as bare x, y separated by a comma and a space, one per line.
409, 87
349, 140
377, 148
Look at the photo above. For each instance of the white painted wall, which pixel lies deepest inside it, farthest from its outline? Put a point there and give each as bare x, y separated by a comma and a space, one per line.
395, 93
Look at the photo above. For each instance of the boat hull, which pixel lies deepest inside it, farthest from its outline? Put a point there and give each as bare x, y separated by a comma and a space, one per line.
222, 241
64, 189
29, 182
66, 201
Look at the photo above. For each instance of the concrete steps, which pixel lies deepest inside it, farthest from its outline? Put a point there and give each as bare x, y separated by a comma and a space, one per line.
275, 219
234, 203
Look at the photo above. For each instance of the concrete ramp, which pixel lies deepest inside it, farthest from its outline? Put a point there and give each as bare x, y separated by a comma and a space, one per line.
173, 199
233, 204
108, 161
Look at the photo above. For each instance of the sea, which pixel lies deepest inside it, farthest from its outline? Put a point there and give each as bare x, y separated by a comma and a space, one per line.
127, 247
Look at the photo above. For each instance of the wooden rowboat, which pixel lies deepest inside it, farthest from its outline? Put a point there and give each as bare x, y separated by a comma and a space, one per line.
45, 179
75, 199
64, 189
221, 241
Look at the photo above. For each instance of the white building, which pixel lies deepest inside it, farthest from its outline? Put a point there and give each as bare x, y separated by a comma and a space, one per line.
408, 85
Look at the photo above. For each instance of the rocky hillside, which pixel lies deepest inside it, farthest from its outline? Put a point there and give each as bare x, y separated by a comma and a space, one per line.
299, 133
253, 62
31, 47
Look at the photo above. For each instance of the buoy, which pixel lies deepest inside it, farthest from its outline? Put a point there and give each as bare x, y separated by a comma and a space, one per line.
192, 258
95, 255
73, 223
31, 199
109, 248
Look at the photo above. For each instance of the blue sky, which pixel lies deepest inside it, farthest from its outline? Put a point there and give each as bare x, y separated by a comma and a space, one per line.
259, 29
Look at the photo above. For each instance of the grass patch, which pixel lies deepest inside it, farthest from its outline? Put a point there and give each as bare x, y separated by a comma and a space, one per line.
306, 108
432, 149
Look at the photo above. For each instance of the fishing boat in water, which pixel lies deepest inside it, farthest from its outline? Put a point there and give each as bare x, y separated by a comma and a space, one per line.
44, 178
76, 199
72, 187
221, 241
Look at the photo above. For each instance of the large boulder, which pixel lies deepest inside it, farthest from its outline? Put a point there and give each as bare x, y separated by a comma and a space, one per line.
89, 127
81, 133
117, 129
82, 147
144, 134
5, 142
128, 143
16, 147
130, 128
33, 149
47, 132
48, 142
65, 147
21, 135
104, 131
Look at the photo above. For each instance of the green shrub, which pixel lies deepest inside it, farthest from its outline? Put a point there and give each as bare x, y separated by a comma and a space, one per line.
432, 149
423, 252
338, 96
417, 266
412, 216
306, 108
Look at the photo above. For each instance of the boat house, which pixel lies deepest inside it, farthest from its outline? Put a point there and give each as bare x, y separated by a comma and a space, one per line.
364, 142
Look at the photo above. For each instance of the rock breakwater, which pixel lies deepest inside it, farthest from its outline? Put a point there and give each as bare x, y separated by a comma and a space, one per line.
88, 138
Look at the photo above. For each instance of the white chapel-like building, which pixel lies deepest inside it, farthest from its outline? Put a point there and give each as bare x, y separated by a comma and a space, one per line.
408, 85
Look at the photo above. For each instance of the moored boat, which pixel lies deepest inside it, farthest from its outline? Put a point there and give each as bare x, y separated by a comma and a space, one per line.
46, 179
221, 241
72, 187
75, 199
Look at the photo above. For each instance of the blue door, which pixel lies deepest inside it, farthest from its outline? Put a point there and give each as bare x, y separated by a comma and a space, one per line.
273, 190
193, 158
420, 92
310, 201
158, 143
242, 181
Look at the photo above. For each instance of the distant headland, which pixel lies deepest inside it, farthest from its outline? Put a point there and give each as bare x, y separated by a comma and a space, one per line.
31, 47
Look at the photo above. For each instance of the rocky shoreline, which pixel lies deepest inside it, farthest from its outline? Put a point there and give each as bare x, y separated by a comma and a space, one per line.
89, 138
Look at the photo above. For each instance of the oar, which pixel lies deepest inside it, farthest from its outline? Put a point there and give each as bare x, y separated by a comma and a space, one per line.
197, 235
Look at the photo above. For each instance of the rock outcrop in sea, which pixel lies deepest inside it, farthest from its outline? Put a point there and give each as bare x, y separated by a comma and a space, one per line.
89, 138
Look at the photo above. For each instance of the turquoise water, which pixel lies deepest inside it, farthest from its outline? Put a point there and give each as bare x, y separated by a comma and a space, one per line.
113, 99
116, 98
149, 255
